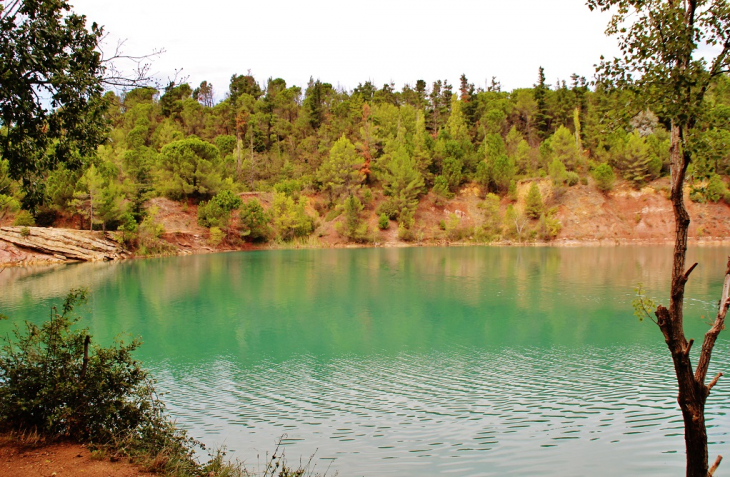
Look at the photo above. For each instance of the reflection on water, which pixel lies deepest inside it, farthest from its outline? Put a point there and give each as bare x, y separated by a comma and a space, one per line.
470, 361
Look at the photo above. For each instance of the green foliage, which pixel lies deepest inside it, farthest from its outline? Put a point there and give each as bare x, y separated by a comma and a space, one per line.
353, 228
533, 204
716, 188
643, 305
441, 187
339, 174
189, 168
452, 172
565, 149
55, 382
571, 178
8, 204
383, 222
48, 56
217, 211
255, 221
24, 218
403, 184
604, 176
290, 187
492, 224
557, 172
216, 236
289, 217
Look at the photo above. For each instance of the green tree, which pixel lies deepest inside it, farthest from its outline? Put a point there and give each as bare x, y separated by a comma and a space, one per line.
604, 176
564, 148
353, 228
660, 43
255, 221
340, 173
289, 217
189, 168
542, 114
533, 204
402, 183
51, 94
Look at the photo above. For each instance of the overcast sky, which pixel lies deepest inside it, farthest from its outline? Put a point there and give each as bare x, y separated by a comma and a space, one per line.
346, 43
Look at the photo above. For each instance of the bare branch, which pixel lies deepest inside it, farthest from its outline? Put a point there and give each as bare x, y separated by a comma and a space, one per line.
714, 381
11, 10
686, 275
689, 346
714, 467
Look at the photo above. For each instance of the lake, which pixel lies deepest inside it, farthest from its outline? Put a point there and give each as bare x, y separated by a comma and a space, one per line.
417, 361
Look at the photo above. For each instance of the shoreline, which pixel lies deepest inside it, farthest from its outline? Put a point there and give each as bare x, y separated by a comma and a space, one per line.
559, 243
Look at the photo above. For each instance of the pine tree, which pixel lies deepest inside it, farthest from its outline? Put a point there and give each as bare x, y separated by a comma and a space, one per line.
542, 115
534, 206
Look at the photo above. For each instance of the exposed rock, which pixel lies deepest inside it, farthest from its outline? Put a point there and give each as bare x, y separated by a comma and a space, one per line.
64, 244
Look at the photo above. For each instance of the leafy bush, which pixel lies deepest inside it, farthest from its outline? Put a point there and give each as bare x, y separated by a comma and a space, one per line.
353, 228
217, 211
255, 221
716, 188
290, 218
24, 218
216, 236
8, 204
571, 178
53, 381
383, 222
604, 176
291, 187
534, 206
441, 187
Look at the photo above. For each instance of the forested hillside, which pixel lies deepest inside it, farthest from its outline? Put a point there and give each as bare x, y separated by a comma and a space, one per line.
360, 162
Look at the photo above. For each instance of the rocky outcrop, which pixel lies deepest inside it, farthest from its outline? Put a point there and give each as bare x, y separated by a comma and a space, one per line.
64, 244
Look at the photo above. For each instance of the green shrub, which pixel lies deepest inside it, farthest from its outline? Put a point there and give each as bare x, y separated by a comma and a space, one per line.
726, 197
290, 218
24, 218
441, 187
217, 211
534, 206
353, 228
255, 221
25, 232
604, 176
54, 381
383, 222
290, 187
216, 236
8, 204
716, 188
571, 178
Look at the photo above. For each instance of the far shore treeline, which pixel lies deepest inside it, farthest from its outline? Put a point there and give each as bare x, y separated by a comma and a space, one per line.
364, 157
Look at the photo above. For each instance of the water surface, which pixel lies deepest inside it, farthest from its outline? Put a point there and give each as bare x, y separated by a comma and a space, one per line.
422, 361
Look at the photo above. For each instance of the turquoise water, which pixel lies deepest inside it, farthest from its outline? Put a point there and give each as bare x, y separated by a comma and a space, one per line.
419, 361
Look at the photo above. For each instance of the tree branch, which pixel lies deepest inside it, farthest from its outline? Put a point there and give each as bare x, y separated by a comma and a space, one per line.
714, 331
714, 381
714, 467
686, 275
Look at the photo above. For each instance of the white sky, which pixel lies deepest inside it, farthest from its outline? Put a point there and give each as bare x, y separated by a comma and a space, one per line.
346, 43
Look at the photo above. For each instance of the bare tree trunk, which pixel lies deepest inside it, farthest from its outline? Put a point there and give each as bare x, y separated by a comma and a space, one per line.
693, 392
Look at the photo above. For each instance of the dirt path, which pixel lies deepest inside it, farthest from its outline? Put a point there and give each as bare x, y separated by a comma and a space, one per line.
60, 460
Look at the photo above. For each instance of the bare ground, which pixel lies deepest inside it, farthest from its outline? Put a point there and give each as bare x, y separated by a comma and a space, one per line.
59, 460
